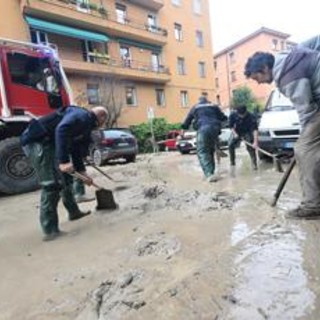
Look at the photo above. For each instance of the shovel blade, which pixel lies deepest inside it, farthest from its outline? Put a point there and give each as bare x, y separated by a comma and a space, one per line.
105, 200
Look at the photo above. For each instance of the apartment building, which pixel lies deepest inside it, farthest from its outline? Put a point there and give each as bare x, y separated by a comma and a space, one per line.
136, 54
229, 63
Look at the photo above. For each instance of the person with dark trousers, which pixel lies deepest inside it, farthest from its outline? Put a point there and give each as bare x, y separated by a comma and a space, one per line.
243, 125
297, 76
53, 143
206, 118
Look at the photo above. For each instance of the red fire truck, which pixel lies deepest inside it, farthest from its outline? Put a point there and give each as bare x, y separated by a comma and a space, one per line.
32, 84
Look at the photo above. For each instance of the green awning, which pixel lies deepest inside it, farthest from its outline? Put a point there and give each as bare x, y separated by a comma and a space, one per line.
139, 44
66, 30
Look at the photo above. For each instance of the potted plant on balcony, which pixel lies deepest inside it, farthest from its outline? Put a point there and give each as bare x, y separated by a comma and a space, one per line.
103, 11
93, 6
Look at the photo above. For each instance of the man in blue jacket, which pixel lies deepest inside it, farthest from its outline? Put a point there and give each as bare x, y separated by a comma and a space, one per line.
54, 145
297, 75
206, 118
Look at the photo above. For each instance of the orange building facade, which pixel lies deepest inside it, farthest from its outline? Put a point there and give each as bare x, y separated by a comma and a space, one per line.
229, 64
142, 53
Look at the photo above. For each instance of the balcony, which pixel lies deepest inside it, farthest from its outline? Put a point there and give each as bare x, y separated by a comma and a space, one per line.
149, 4
94, 18
103, 65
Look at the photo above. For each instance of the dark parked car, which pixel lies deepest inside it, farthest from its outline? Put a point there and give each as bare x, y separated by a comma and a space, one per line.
109, 144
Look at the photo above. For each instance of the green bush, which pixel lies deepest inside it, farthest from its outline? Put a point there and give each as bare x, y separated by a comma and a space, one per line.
143, 132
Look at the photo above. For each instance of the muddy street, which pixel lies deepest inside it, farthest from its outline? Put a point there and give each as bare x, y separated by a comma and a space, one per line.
177, 248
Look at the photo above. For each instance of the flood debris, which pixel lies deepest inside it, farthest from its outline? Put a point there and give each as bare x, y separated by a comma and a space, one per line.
115, 298
158, 244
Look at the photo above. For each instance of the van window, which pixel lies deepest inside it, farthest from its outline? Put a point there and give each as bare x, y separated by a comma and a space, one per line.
278, 102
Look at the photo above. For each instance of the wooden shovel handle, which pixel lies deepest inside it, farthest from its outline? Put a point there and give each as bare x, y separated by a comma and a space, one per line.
83, 178
261, 150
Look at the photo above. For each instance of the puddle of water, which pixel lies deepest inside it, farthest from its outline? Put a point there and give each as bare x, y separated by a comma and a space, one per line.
272, 283
240, 231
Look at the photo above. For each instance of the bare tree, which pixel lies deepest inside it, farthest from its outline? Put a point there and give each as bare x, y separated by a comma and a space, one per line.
111, 96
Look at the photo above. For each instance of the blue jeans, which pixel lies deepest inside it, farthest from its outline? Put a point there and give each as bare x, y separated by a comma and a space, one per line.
206, 141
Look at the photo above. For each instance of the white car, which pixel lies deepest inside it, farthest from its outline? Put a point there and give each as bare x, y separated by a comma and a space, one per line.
187, 142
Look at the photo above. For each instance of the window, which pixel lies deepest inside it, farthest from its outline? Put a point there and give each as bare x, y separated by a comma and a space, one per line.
197, 6
232, 58
181, 66
131, 96
233, 76
176, 2
184, 99
155, 62
217, 82
88, 51
152, 23
205, 94
178, 31
38, 36
215, 65
93, 93
160, 97
32, 72
202, 69
199, 38
218, 99
83, 5
125, 55
121, 12
274, 44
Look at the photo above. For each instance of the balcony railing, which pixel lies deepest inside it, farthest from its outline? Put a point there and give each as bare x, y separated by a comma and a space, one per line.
127, 63
104, 13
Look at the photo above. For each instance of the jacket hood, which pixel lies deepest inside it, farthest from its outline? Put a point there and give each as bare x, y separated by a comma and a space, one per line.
278, 65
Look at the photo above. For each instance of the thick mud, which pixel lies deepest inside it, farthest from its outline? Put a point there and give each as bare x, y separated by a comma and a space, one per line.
176, 248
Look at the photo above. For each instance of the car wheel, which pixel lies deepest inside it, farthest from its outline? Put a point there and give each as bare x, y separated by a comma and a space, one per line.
97, 158
131, 158
184, 151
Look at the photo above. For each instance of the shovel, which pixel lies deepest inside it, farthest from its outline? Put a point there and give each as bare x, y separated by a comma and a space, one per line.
104, 197
283, 182
102, 172
276, 161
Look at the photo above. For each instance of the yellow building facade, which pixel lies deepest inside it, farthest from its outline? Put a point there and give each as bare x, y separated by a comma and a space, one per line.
229, 64
135, 54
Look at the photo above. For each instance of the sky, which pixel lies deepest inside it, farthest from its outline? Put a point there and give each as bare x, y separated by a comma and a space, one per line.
232, 20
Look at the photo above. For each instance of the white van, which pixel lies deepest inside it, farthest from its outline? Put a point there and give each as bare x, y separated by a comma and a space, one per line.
279, 126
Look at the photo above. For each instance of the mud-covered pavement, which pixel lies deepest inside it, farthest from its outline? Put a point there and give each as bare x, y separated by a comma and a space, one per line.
177, 248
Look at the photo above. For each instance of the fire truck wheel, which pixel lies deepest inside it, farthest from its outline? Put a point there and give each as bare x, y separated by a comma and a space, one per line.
16, 173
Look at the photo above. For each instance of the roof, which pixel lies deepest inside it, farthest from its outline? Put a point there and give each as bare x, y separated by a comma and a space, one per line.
253, 35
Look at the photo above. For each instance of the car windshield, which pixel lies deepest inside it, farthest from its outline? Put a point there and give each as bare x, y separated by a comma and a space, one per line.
278, 102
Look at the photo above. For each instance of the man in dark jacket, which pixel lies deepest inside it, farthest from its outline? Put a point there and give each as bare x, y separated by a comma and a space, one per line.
54, 145
243, 125
206, 118
297, 75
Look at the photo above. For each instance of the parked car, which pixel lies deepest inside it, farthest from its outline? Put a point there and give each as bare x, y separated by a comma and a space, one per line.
187, 142
109, 144
169, 141
279, 126
224, 138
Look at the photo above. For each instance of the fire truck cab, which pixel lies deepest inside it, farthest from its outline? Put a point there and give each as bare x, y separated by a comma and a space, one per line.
32, 84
